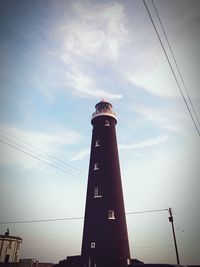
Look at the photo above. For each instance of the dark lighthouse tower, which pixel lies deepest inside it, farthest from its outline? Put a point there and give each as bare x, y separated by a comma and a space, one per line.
105, 238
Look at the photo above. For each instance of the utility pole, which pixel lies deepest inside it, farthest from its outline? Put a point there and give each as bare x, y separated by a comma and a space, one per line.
171, 220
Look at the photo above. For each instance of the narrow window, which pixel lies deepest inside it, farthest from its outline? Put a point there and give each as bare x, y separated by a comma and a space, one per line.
96, 166
128, 261
111, 215
97, 143
7, 257
97, 192
107, 123
93, 245
18, 244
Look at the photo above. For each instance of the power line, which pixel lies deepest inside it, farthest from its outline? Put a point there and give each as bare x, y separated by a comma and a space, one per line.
37, 149
169, 245
42, 160
54, 163
179, 87
45, 220
73, 218
175, 61
153, 246
145, 211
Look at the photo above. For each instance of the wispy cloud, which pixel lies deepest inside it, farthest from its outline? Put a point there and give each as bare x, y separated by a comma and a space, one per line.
91, 37
149, 69
171, 120
85, 85
144, 77
94, 32
148, 143
82, 154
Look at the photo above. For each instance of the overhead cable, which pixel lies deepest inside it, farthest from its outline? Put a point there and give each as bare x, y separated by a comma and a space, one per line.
38, 149
175, 61
179, 87
42, 160
73, 218
41, 221
145, 211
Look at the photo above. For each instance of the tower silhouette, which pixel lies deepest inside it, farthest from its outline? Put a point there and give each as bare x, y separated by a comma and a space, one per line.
105, 238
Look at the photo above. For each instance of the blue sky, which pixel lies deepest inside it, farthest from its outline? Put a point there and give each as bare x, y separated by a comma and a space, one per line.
58, 59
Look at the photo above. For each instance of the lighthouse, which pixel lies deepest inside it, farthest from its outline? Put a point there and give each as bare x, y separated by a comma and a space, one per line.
105, 238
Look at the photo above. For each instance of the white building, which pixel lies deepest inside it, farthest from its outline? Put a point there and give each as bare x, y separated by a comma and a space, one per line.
9, 247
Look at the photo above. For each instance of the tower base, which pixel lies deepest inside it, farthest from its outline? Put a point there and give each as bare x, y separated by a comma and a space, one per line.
78, 261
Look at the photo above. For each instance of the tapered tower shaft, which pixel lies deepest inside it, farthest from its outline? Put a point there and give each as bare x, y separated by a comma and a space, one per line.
105, 239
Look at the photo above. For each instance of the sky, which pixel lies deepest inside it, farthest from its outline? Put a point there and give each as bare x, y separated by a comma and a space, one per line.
58, 59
